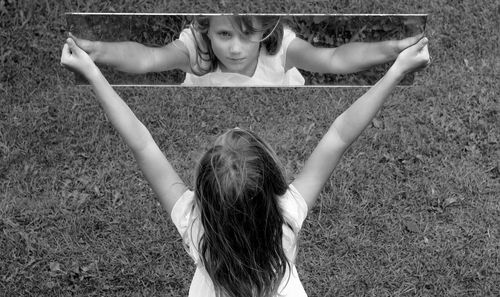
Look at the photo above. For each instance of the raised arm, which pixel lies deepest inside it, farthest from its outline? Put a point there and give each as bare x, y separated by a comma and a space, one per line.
347, 58
349, 125
156, 168
134, 57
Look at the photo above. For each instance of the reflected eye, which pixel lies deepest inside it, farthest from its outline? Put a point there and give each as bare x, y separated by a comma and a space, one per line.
252, 35
224, 34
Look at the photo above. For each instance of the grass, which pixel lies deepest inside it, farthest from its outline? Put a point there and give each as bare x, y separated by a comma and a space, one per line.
412, 210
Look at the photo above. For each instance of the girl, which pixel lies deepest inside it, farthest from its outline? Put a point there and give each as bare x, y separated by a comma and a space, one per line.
240, 224
242, 50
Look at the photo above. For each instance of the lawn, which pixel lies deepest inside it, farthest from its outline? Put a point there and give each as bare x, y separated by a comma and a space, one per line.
412, 210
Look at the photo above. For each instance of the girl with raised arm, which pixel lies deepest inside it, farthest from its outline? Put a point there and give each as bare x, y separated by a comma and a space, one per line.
241, 222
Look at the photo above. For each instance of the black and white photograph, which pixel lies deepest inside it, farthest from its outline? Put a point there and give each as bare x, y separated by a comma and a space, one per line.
232, 148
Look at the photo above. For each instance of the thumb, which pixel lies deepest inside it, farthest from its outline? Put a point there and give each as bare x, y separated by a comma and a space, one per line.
423, 43
75, 39
71, 44
65, 53
74, 48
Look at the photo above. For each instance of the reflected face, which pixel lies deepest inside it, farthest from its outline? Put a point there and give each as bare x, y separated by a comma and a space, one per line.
236, 51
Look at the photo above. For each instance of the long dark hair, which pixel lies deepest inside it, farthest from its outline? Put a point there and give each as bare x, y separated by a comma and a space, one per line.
206, 61
237, 187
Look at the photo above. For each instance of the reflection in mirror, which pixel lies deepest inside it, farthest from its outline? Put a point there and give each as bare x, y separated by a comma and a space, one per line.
246, 50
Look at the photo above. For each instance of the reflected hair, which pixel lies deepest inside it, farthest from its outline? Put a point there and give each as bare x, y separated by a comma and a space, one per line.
238, 182
206, 61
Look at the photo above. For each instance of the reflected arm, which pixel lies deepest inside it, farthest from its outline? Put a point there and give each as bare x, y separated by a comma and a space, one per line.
133, 57
347, 58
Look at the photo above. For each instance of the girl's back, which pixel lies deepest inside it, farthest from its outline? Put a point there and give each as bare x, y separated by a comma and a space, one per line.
186, 217
241, 222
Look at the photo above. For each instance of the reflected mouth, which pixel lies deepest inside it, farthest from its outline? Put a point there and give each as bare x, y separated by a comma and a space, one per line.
236, 60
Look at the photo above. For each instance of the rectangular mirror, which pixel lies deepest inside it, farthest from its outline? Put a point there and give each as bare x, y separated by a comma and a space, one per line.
321, 31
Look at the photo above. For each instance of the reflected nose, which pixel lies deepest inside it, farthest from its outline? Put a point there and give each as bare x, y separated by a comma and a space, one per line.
236, 46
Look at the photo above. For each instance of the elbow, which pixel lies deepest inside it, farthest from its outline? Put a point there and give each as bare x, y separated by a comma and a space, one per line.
141, 138
136, 66
138, 59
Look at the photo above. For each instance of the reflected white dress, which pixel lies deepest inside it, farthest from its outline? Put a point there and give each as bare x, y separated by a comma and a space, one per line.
270, 70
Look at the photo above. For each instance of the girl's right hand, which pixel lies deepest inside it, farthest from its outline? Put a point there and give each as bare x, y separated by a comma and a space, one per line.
413, 58
90, 47
76, 59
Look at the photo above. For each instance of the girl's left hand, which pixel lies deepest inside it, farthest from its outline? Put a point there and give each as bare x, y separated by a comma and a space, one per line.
76, 59
413, 58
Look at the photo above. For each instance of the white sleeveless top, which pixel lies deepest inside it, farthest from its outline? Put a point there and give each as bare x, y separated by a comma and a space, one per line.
270, 70
185, 216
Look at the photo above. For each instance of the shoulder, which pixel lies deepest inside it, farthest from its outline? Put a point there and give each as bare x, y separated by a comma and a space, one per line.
188, 39
294, 207
183, 211
288, 36
197, 48
186, 35
287, 31
294, 48
185, 217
